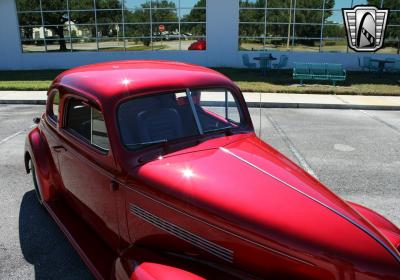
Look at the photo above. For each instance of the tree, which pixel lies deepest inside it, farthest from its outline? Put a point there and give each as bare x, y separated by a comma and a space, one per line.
140, 19
278, 17
28, 19
392, 32
57, 22
195, 15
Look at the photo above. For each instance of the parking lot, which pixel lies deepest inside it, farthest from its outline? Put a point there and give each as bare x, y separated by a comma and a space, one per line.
355, 153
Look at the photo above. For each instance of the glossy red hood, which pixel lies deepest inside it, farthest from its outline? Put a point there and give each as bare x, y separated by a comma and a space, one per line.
255, 188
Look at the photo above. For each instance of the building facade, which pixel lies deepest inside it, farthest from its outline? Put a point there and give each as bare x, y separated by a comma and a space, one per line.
58, 34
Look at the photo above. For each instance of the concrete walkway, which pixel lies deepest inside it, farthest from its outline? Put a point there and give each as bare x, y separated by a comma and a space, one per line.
268, 100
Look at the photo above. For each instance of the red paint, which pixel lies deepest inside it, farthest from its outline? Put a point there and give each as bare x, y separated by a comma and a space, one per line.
200, 45
227, 205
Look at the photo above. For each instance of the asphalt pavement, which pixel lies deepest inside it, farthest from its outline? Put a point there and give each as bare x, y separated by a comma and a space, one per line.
355, 153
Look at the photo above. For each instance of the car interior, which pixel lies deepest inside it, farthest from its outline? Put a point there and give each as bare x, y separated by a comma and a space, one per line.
79, 118
161, 117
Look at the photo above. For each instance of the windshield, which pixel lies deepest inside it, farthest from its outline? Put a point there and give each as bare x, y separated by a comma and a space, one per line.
159, 118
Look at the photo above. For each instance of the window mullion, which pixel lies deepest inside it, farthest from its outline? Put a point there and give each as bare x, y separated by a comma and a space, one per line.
196, 116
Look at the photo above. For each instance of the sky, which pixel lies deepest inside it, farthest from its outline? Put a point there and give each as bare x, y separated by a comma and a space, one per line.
339, 4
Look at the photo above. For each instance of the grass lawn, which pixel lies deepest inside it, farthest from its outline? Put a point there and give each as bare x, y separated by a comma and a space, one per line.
357, 83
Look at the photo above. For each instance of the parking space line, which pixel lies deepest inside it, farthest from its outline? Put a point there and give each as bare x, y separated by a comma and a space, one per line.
15, 135
292, 147
381, 121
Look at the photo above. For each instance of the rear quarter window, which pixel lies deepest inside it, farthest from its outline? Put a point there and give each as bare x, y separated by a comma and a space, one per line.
53, 109
87, 123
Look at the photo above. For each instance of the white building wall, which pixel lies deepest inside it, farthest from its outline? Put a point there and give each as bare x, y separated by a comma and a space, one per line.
222, 46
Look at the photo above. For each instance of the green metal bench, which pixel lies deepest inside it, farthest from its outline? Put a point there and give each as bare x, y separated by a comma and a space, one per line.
319, 71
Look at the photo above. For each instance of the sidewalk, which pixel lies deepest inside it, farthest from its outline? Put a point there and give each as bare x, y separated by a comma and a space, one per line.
268, 100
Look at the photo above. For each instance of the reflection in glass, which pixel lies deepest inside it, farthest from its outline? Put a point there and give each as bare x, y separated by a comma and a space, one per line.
137, 16
136, 4
308, 16
55, 18
82, 17
84, 44
53, 45
81, 4
306, 45
190, 4
138, 44
28, 19
33, 46
334, 45
109, 31
252, 15
278, 16
280, 3
165, 15
162, 4
315, 4
252, 3
298, 25
251, 44
109, 5
111, 44
54, 5
193, 15
137, 30
109, 16
24, 5
83, 31
360, 2
251, 29
193, 29
104, 24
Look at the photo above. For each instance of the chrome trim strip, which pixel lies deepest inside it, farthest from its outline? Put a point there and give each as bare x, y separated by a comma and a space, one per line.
219, 228
365, 230
204, 244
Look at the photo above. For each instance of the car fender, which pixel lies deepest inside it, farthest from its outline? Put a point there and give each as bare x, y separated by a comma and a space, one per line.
37, 151
142, 263
387, 228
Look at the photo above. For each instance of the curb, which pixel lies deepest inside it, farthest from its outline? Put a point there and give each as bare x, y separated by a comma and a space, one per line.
24, 102
322, 106
257, 105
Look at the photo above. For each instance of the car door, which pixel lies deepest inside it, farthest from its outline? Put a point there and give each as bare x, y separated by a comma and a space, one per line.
51, 125
86, 165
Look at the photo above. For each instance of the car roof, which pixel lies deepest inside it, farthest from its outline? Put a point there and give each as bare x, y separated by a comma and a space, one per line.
119, 79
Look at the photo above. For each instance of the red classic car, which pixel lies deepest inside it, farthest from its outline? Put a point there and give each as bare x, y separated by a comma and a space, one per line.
199, 45
153, 171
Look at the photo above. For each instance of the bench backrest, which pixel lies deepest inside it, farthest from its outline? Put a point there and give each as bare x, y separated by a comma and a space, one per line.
317, 68
301, 68
334, 69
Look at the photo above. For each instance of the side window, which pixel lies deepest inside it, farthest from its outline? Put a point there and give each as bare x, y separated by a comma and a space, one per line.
88, 123
99, 132
219, 103
54, 106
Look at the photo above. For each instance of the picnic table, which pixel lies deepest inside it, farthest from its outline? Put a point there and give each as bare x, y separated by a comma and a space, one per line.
265, 62
381, 63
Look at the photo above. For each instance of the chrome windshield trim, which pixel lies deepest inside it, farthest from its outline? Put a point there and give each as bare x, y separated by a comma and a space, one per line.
362, 228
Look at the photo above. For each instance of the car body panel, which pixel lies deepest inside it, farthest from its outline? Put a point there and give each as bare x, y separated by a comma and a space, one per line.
225, 203
200, 45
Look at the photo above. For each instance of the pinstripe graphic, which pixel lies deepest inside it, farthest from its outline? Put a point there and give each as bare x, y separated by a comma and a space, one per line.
183, 234
362, 228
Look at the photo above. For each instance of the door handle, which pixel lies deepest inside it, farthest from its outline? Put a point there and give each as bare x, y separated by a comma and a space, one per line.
114, 186
59, 149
